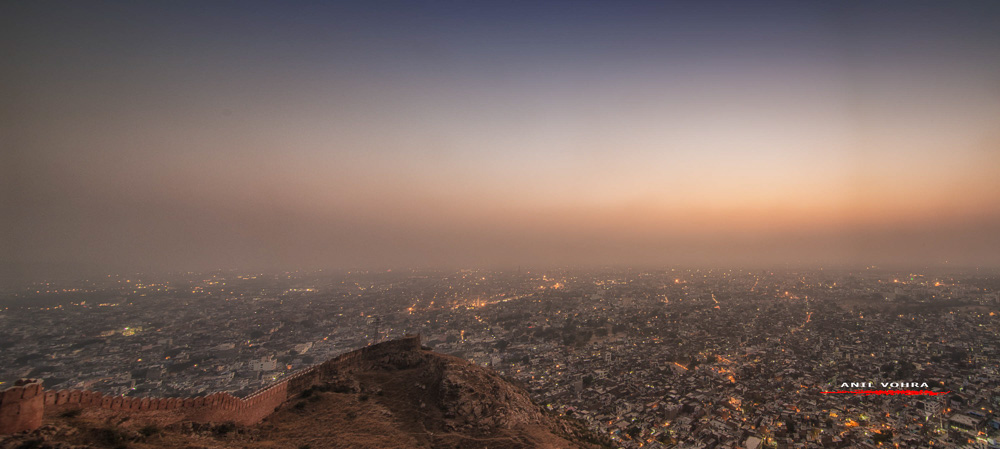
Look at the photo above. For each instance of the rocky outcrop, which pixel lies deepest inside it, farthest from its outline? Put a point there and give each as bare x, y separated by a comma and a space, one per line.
394, 394
471, 396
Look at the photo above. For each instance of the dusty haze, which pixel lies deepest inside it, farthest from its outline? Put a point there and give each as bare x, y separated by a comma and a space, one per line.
183, 136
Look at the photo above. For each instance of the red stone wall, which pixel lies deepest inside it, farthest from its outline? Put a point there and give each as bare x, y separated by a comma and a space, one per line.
21, 407
218, 407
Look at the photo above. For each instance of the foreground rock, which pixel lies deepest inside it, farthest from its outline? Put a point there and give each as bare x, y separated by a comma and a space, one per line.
400, 398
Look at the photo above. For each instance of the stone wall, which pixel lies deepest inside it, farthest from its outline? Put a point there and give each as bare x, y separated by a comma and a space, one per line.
22, 406
218, 407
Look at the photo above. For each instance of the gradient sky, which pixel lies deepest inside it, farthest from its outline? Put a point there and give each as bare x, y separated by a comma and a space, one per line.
144, 136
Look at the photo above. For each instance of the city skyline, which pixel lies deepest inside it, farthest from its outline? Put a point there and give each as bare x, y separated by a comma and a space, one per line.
183, 136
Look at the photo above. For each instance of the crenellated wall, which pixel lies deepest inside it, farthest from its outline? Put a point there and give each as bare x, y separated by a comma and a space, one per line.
218, 407
23, 405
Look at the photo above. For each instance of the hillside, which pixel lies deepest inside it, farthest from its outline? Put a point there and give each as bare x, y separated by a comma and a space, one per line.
395, 398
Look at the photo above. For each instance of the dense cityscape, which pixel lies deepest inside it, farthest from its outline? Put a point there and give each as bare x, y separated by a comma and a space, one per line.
610, 224
675, 358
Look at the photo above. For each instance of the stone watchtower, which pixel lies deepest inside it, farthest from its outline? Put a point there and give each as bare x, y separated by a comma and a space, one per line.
21, 406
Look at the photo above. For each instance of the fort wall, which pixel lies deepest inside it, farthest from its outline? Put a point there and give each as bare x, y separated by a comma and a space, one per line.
22, 406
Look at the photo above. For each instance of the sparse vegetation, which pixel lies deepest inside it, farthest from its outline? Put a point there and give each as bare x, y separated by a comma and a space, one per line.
111, 437
149, 430
339, 388
225, 428
30, 444
71, 413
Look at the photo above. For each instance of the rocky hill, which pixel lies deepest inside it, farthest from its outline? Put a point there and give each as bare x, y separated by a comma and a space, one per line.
402, 397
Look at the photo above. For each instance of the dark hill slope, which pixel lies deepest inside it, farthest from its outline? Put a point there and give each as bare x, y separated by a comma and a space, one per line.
405, 398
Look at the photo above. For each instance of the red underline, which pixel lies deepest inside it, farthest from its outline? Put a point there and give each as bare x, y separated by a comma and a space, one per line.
889, 392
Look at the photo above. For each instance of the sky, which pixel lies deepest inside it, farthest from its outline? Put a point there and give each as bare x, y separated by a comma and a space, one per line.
177, 136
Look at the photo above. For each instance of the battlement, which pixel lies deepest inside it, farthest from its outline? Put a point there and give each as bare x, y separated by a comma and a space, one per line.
399, 346
23, 405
